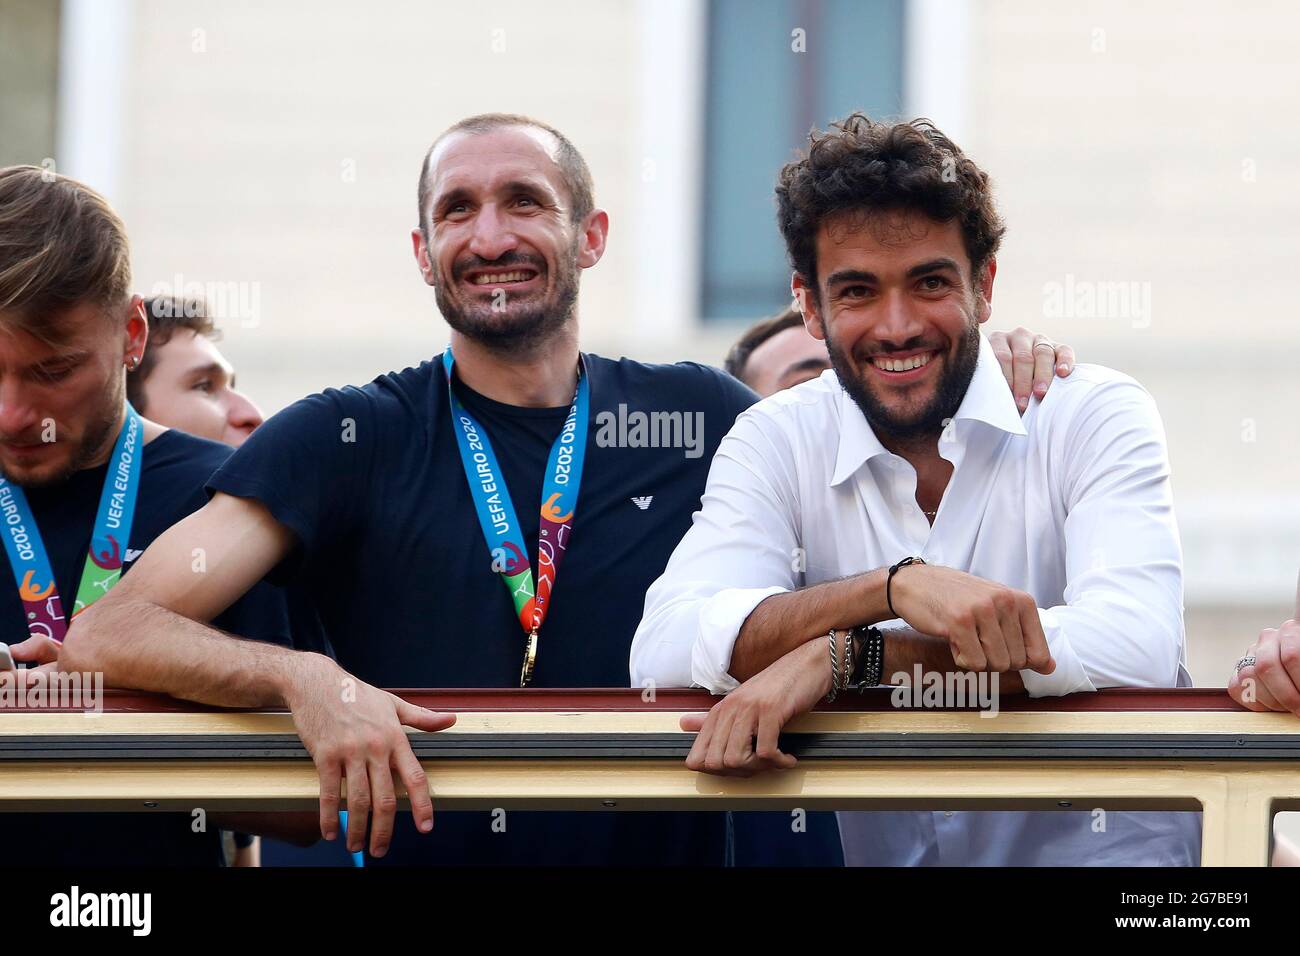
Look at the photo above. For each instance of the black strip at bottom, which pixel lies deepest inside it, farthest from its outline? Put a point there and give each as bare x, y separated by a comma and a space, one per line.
660, 746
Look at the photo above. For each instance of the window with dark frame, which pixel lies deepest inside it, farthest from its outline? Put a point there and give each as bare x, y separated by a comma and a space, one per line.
777, 68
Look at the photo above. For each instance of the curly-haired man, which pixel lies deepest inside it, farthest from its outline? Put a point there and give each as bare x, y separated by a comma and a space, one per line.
903, 491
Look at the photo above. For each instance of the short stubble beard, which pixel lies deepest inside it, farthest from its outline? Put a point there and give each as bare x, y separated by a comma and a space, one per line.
930, 421
99, 435
526, 330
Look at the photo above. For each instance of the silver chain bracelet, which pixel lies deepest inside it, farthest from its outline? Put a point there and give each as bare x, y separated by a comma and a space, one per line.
846, 674
835, 668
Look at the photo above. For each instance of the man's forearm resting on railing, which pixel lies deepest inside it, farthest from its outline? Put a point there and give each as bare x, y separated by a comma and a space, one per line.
147, 634
978, 625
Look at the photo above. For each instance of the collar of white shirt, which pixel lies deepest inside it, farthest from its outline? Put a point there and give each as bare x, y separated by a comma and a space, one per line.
988, 399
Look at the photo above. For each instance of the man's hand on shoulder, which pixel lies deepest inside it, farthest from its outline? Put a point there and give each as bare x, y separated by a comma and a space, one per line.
988, 626
1029, 361
738, 737
353, 732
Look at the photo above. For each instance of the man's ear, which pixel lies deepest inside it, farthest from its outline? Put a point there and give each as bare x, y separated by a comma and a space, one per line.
984, 296
595, 233
806, 299
137, 330
421, 249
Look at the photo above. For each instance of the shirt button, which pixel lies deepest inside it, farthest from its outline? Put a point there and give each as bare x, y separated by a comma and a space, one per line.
947, 813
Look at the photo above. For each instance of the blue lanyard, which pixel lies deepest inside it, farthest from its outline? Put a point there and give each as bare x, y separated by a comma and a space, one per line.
29, 560
496, 512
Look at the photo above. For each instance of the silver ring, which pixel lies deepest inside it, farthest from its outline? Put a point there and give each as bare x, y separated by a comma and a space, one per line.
1044, 345
1247, 661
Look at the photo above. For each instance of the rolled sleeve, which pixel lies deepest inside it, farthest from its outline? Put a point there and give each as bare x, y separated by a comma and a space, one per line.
1070, 676
721, 619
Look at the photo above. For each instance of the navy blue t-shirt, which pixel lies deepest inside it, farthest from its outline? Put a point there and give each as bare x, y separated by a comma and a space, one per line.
370, 481
175, 467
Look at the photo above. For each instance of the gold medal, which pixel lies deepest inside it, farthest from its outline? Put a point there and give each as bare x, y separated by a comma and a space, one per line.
530, 659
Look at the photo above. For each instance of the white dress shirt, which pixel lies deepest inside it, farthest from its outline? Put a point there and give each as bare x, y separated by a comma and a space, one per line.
1070, 503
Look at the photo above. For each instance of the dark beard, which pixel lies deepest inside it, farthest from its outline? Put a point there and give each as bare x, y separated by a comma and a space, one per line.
931, 420
527, 329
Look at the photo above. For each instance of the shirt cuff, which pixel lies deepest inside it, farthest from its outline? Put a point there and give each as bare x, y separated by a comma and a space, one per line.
721, 619
1070, 677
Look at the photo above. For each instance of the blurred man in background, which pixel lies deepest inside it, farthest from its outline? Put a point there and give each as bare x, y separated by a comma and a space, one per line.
777, 353
184, 381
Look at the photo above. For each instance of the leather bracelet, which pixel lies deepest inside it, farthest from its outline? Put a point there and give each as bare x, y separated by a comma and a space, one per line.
855, 635
871, 659
889, 582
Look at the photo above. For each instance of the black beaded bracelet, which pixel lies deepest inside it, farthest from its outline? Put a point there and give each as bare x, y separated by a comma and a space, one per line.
889, 582
869, 668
